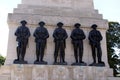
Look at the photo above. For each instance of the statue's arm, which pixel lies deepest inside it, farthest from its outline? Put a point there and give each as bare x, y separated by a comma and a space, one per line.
28, 33
17, 32
83, 36
66, 35
100, 36
55, 34
91, 38
35, 34
72, 36
46, 34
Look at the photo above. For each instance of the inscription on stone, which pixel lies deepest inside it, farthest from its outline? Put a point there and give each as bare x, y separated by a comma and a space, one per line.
60, 73
40, 73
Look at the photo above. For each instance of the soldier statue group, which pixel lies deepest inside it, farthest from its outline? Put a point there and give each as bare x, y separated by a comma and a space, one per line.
60, 35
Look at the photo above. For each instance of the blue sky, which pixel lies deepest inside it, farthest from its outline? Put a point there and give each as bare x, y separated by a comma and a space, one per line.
109, 8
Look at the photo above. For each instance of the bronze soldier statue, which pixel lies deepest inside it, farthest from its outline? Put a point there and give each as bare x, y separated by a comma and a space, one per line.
41, 34
94, 38
60, 35
22, 33
77, 37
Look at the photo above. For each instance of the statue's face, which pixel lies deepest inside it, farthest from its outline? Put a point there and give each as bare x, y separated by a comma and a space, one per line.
60, 26
41, 23
77, 26
94, 27
23, 24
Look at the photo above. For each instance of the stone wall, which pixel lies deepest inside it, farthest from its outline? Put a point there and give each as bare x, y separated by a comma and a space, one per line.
53, 72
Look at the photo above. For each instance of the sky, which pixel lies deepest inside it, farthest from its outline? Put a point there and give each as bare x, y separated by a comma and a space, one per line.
110, 9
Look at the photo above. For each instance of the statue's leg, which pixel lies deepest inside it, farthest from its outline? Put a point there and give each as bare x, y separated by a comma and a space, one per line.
62, 52
56, 51
42, 48
18, 51
80, 52
93, 53
24, 44
99, 53
37, 51
75, 52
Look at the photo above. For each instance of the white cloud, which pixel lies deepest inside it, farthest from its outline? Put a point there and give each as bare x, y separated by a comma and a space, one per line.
6, 7
3, 30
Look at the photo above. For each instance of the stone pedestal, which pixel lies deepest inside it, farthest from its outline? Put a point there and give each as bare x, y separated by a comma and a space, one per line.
54, 72
51, 12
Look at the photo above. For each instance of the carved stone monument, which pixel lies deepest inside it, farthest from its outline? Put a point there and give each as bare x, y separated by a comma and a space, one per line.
51, 12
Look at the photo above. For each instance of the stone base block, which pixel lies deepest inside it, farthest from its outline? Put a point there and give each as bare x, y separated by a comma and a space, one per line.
60, 63
55, 72
40, 63
98, 64
113, 78
4, 77
79, 64
19, 62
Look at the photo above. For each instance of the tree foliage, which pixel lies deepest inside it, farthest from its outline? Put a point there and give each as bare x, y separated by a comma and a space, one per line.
113, 46
2, 60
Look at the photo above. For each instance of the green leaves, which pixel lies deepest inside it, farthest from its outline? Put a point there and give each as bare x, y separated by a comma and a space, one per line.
113, 44
2, 60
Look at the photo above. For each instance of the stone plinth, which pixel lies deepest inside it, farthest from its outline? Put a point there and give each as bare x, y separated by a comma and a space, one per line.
54, 72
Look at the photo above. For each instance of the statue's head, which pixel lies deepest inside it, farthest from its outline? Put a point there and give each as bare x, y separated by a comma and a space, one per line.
77, 25
94, 26
60, 24
42, 23
23, 22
